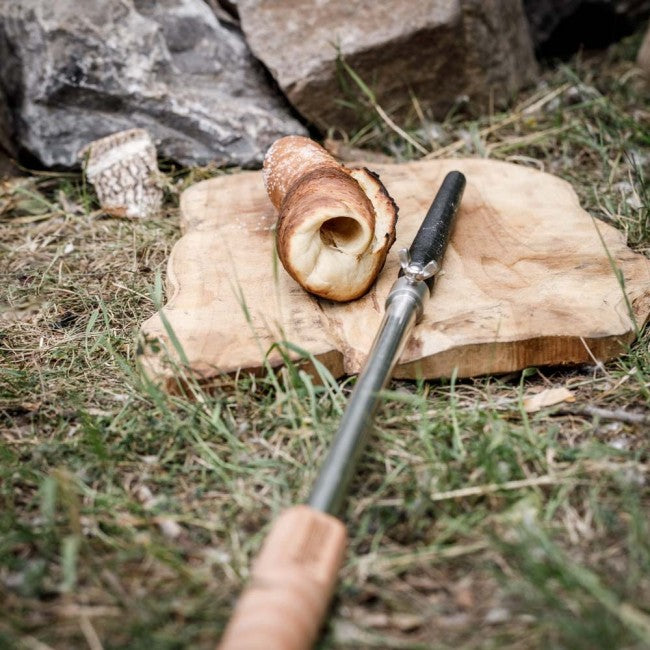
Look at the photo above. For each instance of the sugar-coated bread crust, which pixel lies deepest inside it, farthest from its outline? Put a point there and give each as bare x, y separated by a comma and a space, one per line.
335, 225
287, 160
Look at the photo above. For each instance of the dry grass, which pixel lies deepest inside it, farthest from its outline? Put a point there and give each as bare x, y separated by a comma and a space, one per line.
128, 519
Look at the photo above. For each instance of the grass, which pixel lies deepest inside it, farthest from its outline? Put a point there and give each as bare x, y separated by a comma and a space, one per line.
129, 518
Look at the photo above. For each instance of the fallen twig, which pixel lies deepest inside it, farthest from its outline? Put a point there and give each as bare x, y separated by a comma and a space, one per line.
489, 488
372, 564
620, 415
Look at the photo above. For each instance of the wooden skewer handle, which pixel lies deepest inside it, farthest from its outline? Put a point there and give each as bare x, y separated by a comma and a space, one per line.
292, 581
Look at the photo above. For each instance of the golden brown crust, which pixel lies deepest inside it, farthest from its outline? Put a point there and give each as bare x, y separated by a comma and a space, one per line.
287, 160
322, 186
335, 225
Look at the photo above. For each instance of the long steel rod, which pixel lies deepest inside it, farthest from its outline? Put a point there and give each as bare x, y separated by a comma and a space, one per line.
294, 576
403, 305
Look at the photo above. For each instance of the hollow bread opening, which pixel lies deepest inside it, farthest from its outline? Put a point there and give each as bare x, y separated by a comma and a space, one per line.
343, 233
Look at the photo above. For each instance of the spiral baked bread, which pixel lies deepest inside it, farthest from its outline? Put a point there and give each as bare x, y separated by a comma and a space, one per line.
335, 224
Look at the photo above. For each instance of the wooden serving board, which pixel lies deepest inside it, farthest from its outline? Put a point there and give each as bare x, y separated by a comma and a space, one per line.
527, 281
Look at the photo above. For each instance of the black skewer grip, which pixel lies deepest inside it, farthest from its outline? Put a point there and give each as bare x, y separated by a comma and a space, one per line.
432, 237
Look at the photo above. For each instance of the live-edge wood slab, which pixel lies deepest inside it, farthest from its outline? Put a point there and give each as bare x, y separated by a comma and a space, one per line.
527, 280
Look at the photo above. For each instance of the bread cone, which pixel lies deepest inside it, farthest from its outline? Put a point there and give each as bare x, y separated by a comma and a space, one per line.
335, 225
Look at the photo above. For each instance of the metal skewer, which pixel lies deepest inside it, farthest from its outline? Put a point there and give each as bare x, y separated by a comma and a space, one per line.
295, 573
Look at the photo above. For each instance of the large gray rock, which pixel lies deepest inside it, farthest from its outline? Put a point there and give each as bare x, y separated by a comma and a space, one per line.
81, 70
436, 49
561, 27
6, 140
7, 149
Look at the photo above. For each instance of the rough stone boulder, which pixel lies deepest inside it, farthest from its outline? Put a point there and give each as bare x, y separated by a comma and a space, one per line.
561, 27
436, 50
76, 71
7, 150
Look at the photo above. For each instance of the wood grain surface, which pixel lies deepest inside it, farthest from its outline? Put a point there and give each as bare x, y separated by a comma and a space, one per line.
527, 280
